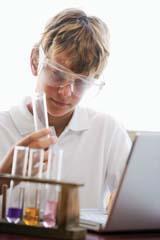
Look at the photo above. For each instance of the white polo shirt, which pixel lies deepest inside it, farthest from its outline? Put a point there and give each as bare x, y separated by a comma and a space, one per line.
95, 148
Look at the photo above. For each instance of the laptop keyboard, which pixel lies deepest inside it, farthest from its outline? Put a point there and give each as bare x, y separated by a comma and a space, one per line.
93, 215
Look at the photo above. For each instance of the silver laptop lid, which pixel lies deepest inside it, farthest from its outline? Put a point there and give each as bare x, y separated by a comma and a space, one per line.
137, 204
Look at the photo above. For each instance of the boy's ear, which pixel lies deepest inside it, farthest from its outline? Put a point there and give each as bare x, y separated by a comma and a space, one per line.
34, 60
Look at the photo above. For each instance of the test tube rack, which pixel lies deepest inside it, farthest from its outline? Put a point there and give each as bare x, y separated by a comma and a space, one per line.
68, 212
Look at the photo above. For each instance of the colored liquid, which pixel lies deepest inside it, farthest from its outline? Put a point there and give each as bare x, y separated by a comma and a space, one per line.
31, 216
14, 215
50, 214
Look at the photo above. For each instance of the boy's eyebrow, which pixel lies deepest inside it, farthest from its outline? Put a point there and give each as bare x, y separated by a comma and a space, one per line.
64, 69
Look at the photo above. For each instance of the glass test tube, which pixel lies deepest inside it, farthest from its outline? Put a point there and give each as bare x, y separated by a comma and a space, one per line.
54, 159
40, 110
40, 113
54, 168
16, 191
32, 197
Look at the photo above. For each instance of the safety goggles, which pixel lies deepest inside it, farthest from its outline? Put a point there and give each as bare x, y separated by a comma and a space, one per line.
56, 75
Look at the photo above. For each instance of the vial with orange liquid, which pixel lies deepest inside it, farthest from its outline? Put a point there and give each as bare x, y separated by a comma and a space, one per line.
31, 214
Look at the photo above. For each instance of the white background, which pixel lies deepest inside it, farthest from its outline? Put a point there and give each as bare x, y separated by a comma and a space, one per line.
132, 75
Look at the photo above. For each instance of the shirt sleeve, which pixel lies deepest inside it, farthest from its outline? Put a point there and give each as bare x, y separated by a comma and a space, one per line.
117, 155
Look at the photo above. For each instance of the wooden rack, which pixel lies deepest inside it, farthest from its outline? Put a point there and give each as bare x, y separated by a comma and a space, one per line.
67, 211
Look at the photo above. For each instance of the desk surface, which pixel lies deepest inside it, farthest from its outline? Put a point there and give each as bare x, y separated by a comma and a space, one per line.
135, 236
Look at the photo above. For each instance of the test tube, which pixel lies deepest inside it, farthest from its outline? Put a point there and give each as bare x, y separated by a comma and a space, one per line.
54, 169
54, 159
40, 110
32, 197
16, 191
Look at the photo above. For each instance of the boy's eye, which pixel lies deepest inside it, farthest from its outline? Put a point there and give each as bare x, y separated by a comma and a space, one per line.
59, 75
79, 84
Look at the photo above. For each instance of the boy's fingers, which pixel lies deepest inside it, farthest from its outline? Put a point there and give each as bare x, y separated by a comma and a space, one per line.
34, 136
42, 143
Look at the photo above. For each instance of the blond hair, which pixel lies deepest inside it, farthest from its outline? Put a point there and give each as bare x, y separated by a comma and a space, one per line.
83, 38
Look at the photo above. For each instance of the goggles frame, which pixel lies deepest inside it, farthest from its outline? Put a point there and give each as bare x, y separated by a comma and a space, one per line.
88, 82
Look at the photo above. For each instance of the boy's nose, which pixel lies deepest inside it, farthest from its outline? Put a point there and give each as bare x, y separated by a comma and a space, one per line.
66, 90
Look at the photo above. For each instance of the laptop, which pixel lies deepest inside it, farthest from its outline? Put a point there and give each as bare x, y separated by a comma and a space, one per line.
136, 206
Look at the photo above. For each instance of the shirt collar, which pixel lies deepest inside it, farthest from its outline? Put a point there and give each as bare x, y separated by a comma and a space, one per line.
24, 121
79, 120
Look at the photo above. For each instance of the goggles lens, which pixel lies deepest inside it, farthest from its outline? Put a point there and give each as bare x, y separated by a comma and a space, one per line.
57, 75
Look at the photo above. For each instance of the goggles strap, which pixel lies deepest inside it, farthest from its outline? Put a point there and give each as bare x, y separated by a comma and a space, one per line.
41, 59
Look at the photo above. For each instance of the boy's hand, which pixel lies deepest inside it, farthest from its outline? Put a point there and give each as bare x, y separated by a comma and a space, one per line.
39, 139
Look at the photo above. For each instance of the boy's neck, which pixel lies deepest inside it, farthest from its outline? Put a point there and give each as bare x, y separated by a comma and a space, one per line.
60, 123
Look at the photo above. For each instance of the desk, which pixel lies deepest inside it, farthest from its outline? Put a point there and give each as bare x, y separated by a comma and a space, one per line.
135, 236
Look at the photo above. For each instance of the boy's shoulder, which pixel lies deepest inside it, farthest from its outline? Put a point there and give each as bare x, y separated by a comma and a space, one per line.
99, 117
4, 116
17, 117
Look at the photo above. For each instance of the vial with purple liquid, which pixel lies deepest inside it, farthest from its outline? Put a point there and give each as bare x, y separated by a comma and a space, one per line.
16, 192
15, 204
